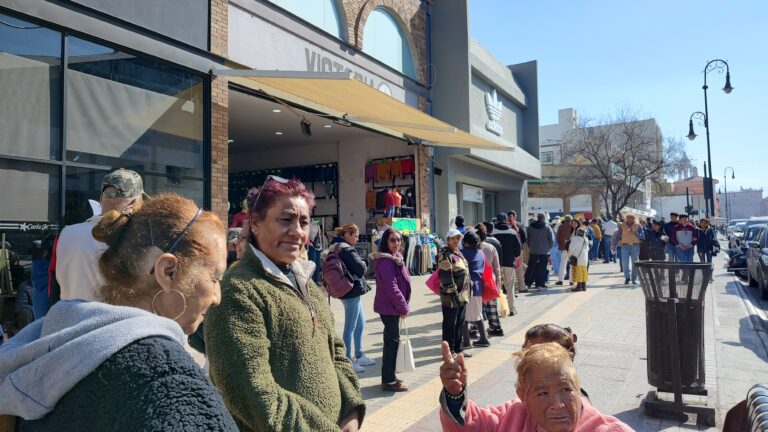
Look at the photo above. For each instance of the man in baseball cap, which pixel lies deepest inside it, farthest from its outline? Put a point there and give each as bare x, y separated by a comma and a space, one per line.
77, 252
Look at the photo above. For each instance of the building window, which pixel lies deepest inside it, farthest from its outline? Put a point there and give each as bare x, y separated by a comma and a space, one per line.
384, 39
323, 14
547, 158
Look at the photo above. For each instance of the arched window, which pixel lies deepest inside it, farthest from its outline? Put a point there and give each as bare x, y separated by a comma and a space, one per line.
384, 39
321, 13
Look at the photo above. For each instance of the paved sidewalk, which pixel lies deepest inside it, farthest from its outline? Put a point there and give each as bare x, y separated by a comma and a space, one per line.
609, 319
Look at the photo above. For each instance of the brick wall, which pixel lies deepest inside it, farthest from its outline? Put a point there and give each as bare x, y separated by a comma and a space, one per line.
409, 13
424, 176
219, 115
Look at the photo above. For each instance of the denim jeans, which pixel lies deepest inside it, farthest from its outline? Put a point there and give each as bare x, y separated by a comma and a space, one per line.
354, 323
684, 255
671, 252
705, 257
607, 254
630, 252
391, 345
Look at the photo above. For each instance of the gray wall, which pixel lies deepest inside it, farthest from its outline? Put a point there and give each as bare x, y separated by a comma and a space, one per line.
527, 77
183, 20
450, 59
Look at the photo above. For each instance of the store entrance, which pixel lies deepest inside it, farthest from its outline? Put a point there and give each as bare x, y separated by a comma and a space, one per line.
349, 169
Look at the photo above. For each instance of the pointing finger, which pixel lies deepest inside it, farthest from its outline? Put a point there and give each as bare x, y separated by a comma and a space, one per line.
447, 356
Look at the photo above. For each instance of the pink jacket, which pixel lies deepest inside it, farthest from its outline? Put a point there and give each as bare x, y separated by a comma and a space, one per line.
513, 417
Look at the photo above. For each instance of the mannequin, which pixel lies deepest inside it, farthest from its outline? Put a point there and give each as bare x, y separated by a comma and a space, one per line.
242, 215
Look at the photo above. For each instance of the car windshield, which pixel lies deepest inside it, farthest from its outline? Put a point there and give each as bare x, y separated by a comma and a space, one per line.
752, 232
739, 227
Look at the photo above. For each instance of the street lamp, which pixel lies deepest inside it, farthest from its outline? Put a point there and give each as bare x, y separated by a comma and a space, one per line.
725, 177
717, 65
698, 115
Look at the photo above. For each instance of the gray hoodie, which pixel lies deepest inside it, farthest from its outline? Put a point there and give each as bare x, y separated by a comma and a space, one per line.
49, 357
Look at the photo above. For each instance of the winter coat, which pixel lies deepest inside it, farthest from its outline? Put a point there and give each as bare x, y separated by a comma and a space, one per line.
655, 244
393, 284
706, 240
275, 357
453, 274
356, 267
90, 366
539, 238
476, 261
495, 242
511, 246
564, 235
579, 247
491, 258
669, 228
684, 235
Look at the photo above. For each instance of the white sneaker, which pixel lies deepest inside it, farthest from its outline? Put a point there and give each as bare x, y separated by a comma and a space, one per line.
365, 361
356, 366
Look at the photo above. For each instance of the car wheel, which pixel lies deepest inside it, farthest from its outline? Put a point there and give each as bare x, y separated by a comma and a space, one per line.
752, 282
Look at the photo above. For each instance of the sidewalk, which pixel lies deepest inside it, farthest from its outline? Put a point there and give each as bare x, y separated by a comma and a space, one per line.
609, 319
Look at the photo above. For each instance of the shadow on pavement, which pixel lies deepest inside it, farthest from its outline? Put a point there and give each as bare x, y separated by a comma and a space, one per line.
638, 421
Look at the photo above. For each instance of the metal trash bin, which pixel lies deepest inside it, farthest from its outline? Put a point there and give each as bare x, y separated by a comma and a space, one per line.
674, 311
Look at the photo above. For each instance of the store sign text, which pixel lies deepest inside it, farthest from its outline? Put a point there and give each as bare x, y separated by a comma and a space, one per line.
472, 193
317, 62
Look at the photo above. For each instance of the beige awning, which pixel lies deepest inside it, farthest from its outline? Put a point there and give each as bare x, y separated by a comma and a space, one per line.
341, 95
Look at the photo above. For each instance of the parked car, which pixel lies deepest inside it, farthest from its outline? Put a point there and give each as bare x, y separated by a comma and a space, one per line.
732, 224
737, 233
757, 261
737, 262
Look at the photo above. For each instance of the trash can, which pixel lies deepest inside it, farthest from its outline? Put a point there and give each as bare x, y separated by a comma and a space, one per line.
674, 323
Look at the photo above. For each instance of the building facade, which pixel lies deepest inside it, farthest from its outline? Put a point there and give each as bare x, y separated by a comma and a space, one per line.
742, 203
478, 93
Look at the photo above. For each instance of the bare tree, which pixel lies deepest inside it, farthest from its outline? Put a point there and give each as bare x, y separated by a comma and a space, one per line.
620, 156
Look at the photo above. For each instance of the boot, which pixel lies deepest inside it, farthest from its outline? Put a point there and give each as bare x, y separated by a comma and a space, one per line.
483, 341
466, 342
583, 286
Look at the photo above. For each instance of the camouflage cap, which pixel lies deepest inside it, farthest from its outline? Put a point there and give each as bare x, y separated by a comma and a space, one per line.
128, 184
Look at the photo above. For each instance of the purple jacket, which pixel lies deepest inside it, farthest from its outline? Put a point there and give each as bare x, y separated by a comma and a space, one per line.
393, 284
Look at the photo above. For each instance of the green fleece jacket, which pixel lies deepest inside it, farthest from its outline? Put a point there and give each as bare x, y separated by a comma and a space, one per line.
276, 368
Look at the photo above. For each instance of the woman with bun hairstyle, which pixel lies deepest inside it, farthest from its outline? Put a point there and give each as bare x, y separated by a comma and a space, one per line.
354, 318
272, 347
124, 359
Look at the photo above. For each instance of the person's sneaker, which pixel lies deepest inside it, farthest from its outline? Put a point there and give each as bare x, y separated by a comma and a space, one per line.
512, 312
357, 367
397, 386
626, 281
466, 354
363, 360
484, 344
559, 283
496, 332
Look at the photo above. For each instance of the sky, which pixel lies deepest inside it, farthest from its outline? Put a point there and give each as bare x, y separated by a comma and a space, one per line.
599, 55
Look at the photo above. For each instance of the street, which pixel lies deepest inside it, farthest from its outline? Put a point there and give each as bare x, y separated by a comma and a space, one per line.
609, 319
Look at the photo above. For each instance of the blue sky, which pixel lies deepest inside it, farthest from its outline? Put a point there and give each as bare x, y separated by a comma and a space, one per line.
597, 55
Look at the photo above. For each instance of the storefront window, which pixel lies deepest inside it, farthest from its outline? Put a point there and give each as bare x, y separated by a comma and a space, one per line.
384, 39
124, 110
321, 13
30, 89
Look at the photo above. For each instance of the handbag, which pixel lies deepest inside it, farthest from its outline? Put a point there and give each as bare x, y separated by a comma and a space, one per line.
490, 289
433, 283
405, 362
574, 260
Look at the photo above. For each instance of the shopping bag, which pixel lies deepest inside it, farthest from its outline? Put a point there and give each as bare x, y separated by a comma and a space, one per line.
503, 306
490, 290
433, 283
405, 362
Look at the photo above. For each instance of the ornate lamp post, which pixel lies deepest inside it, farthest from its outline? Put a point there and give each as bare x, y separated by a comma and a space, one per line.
725, 177
698, 115
717, 65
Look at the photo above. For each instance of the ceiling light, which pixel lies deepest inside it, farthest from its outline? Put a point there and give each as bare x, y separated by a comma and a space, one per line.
327, 126
276, 110
278, 133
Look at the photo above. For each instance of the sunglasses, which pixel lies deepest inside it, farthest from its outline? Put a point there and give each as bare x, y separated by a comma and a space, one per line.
175, 243
261, 189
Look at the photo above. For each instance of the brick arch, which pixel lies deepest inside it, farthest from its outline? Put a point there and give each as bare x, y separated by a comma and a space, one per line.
343, 21
402, 16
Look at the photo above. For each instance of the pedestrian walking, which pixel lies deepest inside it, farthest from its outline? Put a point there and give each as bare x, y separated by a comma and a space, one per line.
684, 237
510, 250
540, 242
579, 249
628, 238
491, 308
609, 230
273, 321
594, 248
656, 242
564, 234
706, 243
669, 229
162, 266
343, 245
393, 292
453, 274
476, 265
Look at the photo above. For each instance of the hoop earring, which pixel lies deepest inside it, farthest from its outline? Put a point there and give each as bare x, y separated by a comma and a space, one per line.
183, 300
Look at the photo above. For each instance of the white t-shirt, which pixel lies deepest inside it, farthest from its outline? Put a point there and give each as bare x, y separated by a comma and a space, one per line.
610, 227
77, 261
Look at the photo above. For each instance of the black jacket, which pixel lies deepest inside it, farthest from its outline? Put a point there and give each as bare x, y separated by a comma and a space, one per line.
151, 384
668, 228
356, 268
495, 243
510, 244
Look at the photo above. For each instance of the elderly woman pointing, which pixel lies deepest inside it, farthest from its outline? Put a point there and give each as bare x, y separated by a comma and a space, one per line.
548, 392
271, 344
